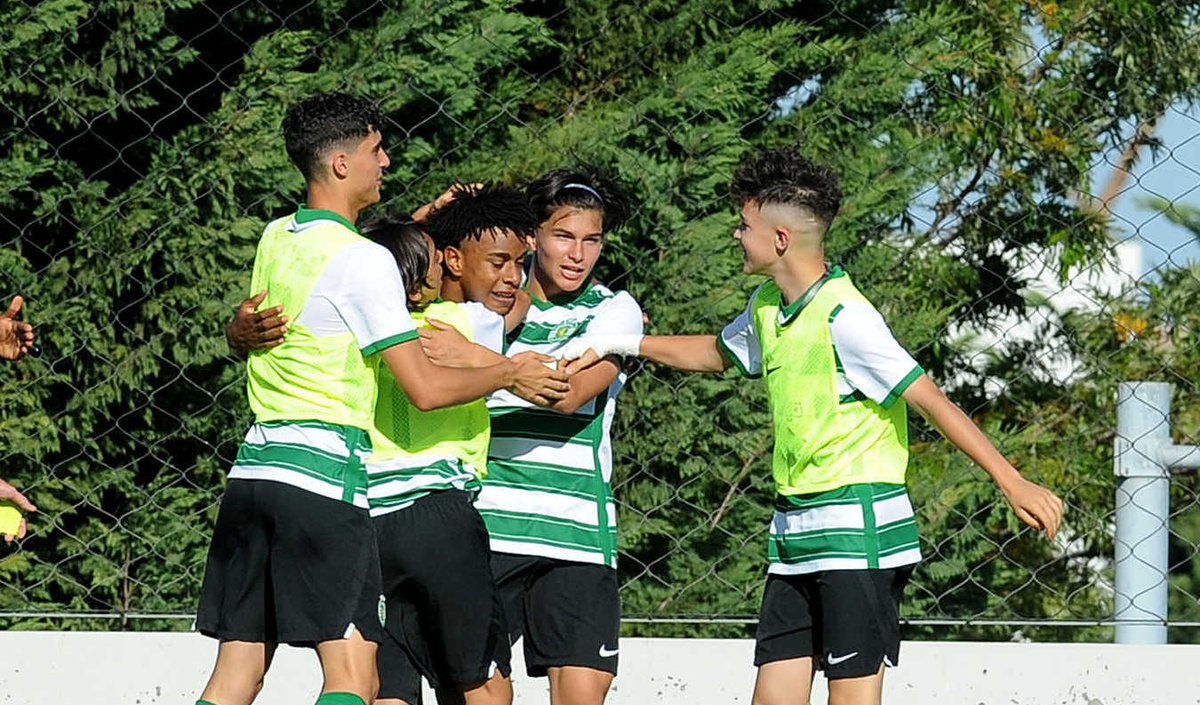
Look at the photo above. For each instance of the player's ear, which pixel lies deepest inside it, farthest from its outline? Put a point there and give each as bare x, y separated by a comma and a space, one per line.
339, 163
530, 242
783, 239
452, 258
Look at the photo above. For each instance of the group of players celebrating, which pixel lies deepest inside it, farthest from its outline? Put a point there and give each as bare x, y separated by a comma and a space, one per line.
428, 478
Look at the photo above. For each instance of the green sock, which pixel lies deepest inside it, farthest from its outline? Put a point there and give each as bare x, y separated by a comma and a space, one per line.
339, 699
204, 702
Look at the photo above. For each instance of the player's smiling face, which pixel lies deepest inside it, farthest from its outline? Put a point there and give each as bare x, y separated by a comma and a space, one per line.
757, 239
491, 269
568, 246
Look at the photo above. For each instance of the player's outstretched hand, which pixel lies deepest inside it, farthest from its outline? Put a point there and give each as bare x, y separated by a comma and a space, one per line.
444, 345
1035, 505
536, 381
10, 493
584, 352
16, 337
252, 330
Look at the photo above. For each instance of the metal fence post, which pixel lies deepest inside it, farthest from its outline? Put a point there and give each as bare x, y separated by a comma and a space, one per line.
1142, 461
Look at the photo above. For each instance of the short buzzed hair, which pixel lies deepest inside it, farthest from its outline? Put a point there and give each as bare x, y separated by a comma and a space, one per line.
784, 176
315, 125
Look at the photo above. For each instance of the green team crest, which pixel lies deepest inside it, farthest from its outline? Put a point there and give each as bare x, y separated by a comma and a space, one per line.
381, 610
564, 330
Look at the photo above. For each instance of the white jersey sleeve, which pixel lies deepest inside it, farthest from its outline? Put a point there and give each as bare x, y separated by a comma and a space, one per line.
487, 326
739, 342
873, 361
360, 291
619, 314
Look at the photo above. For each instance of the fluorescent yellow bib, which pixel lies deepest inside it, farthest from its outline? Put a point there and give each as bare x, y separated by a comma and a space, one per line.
822, 440
401, 430
323, 378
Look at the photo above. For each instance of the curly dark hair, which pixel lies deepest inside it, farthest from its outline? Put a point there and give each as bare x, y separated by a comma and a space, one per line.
784, 176
317, 124
583, 188
403, 237
478, 209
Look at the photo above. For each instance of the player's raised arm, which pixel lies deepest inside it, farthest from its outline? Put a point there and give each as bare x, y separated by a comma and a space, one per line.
1035, 505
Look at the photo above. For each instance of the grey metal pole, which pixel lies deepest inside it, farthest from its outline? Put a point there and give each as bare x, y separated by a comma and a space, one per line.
1142, 511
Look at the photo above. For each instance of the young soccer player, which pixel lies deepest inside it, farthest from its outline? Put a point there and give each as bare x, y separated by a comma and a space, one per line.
443, 612
293, 556
446, 622
843, 541
547, 498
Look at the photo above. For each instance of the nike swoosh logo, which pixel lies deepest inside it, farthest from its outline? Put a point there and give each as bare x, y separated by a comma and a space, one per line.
773, 369
606, 652
835, 660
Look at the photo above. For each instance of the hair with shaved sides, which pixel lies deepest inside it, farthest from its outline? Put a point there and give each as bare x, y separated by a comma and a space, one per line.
785, 177
323, 122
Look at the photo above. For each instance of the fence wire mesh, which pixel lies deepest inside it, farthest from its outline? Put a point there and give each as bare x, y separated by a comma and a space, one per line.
1003, 161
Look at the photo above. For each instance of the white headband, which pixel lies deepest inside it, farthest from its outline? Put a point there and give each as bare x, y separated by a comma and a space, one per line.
585, 187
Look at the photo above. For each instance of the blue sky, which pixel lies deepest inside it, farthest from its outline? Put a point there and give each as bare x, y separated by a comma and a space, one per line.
1173, 174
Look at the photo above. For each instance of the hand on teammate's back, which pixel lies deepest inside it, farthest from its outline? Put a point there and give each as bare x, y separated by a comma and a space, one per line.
536, 382
16, 337
252, 330
444, 345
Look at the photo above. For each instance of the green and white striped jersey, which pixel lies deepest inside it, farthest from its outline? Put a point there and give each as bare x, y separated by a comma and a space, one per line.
834, 375
548, 490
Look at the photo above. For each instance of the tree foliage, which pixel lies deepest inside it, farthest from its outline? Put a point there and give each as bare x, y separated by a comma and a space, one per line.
142, 155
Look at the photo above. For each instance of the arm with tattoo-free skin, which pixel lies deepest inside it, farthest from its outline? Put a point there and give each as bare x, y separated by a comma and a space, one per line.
433, 387
445, 346
1033, 504
429, 386
690, 353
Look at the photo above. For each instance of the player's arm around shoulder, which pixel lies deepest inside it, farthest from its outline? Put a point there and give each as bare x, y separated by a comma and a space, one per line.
251, 329
446, 346
1035, 505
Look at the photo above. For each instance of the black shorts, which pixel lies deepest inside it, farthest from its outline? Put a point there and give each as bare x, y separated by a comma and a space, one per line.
289, 566
848, 619
444, 616
568, 613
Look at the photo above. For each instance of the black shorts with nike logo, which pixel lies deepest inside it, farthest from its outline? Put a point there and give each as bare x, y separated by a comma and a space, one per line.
568, 613
848, 620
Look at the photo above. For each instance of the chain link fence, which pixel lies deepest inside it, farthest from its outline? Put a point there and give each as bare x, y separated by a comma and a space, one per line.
992, 154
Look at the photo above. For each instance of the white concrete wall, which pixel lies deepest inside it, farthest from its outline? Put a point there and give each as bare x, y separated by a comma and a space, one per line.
57, 668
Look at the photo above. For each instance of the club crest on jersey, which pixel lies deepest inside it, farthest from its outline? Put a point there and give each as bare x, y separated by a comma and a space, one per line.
564, 330
381, 611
